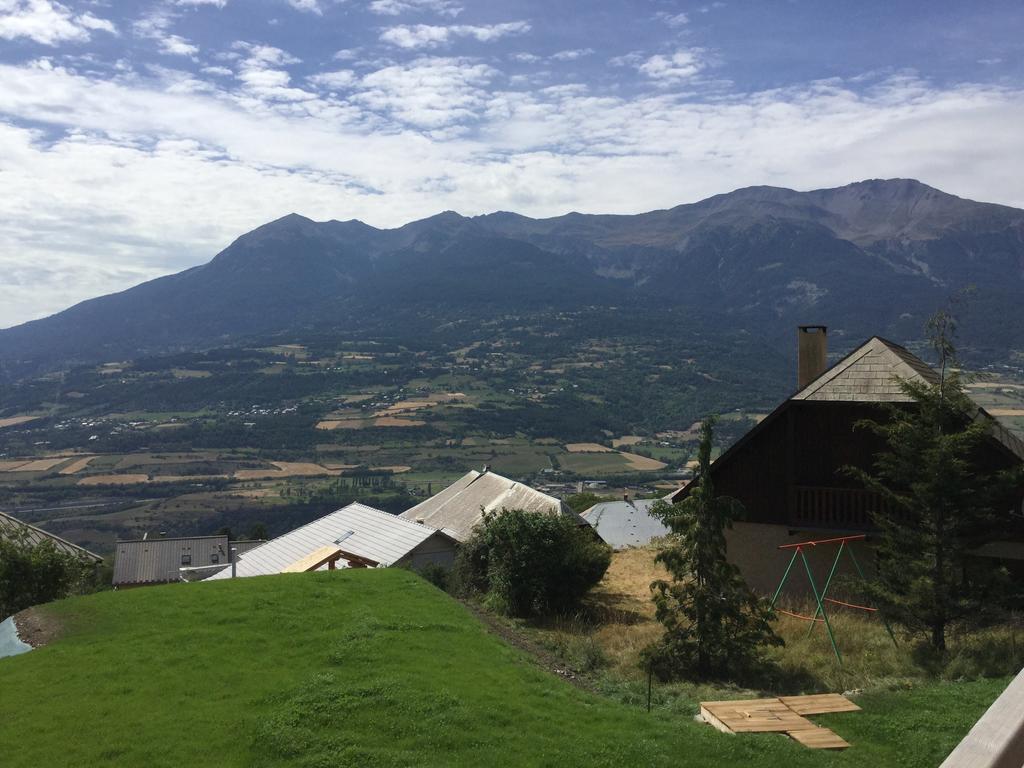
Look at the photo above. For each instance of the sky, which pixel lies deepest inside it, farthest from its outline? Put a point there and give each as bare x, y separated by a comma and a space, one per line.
140, 138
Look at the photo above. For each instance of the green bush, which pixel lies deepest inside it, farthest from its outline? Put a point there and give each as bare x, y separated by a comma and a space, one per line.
436, 574
531, 563
38, 573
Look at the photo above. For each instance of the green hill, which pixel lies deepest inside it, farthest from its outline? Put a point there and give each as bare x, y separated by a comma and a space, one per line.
371, 668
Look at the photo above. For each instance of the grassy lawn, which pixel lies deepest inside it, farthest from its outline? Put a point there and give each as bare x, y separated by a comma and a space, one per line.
374, 668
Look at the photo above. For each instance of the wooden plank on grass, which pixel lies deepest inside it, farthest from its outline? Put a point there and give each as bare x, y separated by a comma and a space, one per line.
819, 704
819, 738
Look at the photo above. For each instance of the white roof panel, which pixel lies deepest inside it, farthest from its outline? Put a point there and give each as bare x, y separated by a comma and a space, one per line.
362, 530
461, 505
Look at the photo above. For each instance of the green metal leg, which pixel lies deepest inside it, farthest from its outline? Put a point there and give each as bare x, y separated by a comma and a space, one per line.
884, 622
785, 576
828, 582
821, 607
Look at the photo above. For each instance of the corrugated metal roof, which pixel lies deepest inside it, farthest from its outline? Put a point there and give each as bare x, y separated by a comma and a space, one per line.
624, 524
12, 526
365, 531
157, 561
461, 505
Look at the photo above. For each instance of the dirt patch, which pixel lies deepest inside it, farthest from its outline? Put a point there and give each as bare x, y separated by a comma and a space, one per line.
587, 448
37, 627
1006, 411
10, 466
642, 462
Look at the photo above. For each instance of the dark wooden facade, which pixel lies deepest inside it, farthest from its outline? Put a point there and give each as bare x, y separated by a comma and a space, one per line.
789, 470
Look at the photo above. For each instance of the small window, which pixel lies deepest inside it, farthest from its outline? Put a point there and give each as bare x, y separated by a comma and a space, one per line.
214, 558
186, 559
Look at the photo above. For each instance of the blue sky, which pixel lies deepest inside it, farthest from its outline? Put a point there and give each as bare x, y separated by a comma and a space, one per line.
139, 138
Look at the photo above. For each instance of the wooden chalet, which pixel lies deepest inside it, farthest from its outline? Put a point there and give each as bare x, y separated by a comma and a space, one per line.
787, 470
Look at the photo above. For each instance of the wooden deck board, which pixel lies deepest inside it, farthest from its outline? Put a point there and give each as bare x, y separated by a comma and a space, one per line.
820, 738
780, 715
819, 704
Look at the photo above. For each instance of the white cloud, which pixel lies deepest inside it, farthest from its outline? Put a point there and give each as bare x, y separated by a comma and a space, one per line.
337, 80
310, 6
398, 7
126, 190
572, 55
175, 45
220, 71
681, 65
674, 20
429, 93
48, 22
216, 3
429, 36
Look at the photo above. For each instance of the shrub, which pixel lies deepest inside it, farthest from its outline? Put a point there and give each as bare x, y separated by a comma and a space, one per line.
436, 574
531, 563
38, 573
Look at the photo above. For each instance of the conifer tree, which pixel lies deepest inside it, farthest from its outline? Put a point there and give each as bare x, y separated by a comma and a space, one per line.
941, 503
714, 624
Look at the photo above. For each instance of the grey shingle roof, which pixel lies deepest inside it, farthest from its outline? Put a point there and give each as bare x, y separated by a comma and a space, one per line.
12, 526
361, 530
157, 561
871, 373
625, 523
461, 505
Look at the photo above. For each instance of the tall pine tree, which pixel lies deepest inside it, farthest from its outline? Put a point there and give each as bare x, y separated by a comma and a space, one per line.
714, 625
942, 503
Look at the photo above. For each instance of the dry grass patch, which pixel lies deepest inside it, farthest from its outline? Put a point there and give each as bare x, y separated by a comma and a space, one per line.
627, 440
642, 462
13, 421
11, 466
396, 421
587, 448
286, 469
42, 465
1006, 411
188, 373
114, 480
76, 466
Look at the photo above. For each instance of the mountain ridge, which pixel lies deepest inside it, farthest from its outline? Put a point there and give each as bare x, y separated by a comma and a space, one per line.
759, 256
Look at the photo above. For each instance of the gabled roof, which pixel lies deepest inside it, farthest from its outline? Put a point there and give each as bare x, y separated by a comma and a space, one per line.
358, 529
462, 504
158, 561
869, 374
624, 524
12, 526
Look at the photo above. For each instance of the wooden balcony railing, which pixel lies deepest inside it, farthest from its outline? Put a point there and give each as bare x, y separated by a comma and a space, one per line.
839, 508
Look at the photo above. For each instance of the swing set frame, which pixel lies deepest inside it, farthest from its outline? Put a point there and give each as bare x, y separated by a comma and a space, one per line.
821, 598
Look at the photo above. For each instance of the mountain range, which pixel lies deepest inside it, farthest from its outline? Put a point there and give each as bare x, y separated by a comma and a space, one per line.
871, 257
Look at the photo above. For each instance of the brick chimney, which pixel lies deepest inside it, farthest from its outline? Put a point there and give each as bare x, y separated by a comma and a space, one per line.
811, 353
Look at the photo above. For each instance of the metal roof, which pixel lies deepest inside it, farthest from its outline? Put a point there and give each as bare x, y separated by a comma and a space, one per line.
364, 531
462, 504
624, 524
157, 561
12, 526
